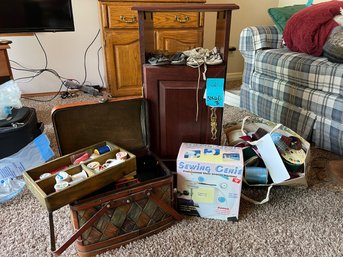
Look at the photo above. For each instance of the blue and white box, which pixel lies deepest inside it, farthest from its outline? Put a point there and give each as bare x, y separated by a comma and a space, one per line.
209, 180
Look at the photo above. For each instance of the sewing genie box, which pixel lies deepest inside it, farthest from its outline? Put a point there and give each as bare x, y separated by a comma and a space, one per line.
209, 180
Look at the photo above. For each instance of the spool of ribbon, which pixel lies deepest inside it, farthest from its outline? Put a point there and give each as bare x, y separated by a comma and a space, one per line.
290, 149
256, 175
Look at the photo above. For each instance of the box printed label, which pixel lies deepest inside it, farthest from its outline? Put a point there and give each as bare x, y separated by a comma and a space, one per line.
209, 180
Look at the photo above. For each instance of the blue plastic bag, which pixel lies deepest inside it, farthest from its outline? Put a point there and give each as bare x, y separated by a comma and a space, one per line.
35, 153
9, 188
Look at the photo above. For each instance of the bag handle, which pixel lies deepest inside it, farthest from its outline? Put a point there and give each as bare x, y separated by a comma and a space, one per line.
266, 199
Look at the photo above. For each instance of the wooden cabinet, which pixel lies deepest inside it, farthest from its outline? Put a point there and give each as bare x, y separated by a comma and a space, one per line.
119, 24
177, 109
123, 62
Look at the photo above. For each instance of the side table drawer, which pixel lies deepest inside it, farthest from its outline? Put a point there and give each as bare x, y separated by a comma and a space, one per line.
176, 19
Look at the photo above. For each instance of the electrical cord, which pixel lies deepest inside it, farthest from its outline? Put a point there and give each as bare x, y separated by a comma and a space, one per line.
102, 81
62, 79
36, 71
45, 55
85, 54
54, 96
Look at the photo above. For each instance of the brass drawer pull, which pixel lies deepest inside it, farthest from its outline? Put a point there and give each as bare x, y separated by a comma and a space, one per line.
125, 19
180, 20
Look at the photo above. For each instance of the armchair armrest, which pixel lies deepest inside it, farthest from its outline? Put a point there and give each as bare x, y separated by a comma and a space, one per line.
259, 37
255, 38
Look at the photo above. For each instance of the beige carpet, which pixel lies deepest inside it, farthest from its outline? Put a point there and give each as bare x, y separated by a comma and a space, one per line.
296, 222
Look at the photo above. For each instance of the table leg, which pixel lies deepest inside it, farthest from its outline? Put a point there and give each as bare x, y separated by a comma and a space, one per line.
52, 232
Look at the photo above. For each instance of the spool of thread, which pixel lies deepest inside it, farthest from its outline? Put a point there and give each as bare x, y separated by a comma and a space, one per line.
44, 175
256, 175
111, 163
93, 156
61, 185
122, 155
82, 158
80, 175
71, 183
102, 149
62, 176
93, 165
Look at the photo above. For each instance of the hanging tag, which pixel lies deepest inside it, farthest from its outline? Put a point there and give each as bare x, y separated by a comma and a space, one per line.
215, 92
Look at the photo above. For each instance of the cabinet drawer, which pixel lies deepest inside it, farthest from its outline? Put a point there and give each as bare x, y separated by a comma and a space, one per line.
121, 16
176, 20
178, 39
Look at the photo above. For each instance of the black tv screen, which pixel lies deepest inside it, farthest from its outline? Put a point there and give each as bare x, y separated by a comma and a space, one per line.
17, 16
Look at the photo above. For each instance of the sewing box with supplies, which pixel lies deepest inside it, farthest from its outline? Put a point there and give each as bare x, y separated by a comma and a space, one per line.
274, 155
117, 189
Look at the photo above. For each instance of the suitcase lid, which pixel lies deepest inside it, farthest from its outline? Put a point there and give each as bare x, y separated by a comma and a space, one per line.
122, 122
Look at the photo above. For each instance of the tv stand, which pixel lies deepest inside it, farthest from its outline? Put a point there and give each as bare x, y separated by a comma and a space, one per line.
5, 68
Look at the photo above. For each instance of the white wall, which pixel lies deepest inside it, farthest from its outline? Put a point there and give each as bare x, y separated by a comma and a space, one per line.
251, 12
65, 51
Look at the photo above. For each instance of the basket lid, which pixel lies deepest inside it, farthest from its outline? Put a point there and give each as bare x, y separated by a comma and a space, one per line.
122, 122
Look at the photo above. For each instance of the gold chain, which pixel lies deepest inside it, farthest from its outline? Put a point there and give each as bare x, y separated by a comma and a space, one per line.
213, 123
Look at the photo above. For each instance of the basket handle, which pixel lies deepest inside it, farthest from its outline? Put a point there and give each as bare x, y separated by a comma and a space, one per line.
82, 229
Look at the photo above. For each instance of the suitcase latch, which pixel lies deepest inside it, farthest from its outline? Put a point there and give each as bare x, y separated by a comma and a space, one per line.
17, 124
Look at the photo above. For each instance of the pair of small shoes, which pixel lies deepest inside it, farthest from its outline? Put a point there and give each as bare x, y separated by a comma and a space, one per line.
213, 57
179, 58
158, 59
196, 56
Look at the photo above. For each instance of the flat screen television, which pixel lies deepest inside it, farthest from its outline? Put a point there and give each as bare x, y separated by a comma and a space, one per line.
18, 16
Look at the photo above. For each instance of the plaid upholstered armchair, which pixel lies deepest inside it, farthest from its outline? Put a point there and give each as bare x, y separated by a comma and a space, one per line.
303, 92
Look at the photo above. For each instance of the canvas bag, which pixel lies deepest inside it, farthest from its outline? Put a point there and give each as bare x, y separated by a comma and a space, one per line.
268, 152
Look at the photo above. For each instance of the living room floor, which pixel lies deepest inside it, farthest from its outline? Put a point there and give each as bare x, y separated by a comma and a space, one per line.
232, 90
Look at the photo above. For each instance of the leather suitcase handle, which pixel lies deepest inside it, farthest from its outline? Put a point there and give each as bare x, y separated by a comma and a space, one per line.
82, 229
164, 206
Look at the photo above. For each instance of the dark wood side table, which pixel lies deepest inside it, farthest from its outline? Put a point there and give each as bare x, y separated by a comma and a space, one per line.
177, 109
5, 68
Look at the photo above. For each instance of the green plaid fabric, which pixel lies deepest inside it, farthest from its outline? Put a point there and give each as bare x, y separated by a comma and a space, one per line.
303, 92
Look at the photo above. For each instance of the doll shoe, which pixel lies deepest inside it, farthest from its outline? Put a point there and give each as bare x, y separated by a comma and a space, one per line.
178, 58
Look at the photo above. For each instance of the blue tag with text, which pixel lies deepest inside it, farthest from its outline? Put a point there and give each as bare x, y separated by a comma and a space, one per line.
215, 92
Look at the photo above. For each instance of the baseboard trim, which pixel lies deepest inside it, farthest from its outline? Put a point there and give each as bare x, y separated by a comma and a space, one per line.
54, 93
46, 93
234, 76
231, 99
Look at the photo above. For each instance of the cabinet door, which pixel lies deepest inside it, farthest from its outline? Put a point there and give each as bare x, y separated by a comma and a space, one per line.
178, 40
177, 109
123, 62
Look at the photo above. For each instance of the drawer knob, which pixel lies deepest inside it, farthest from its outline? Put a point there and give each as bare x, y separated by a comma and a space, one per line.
130, 20
182, 20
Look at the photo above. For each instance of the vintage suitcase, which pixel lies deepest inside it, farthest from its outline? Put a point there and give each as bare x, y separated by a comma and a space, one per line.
19, 129
114, 216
